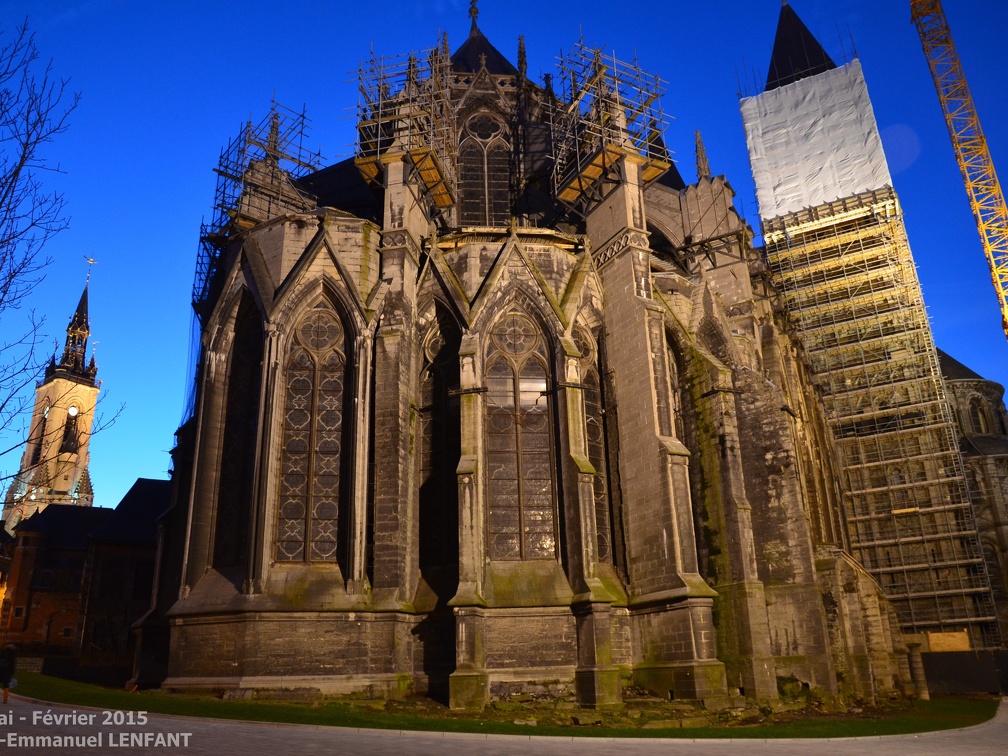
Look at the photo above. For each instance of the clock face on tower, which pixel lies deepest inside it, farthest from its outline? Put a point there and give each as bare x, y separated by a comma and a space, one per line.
72, 412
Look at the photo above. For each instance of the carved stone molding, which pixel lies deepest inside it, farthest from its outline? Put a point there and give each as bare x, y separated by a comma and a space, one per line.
629, 238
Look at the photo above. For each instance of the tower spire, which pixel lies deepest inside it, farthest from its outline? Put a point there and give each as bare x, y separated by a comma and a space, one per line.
77, 331
73, 363
702, 164
796, 52
473, 14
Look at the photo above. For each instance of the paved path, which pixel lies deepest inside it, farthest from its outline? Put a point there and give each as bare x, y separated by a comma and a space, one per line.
27, 727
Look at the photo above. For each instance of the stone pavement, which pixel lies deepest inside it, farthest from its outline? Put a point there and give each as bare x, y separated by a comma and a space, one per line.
31, 727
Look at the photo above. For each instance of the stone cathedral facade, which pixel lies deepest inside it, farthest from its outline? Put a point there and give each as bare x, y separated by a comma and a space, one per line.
503, 404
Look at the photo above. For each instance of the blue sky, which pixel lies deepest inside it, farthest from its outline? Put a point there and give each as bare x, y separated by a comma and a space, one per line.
165, 85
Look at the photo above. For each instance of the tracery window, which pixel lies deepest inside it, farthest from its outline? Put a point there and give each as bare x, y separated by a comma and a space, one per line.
520, 490
596, 435
311, 458
484, 173
978, 418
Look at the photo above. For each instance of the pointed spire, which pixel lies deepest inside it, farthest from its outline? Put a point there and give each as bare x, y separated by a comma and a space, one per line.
702, 165
522, 61
79, 321
77, 331
75, 347
473, 14
796, 52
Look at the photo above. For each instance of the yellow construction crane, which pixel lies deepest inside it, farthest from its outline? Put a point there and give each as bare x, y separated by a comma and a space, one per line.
982, 185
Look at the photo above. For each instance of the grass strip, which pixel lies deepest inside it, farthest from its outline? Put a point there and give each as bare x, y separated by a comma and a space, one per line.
912, 717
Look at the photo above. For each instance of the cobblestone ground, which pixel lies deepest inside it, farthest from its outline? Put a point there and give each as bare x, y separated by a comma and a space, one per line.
32, 728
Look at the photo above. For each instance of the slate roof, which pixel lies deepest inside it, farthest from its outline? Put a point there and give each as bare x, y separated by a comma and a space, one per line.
672, 178
796, 52
953, 370
467, 58
134, 520
986, 445
66, 525
341, 186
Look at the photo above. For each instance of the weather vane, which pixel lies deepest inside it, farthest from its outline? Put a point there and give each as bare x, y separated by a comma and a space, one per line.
90, 261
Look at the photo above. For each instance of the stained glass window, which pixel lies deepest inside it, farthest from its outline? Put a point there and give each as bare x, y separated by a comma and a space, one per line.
520, 468
311, 458
484, 173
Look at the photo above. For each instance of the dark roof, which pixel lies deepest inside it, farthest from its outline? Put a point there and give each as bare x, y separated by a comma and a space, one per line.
343, 187
953, 370
796, 52
66, 525
672, 178
986, 445
134, 520
467, 58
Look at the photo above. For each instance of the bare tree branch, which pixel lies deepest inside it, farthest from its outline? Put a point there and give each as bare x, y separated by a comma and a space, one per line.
35, 107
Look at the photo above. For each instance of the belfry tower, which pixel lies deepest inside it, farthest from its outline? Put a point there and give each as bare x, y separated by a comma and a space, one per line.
54, 468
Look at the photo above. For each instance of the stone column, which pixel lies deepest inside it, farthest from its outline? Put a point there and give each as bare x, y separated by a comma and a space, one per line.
396, 526
203, 490
469, 685
917, 671
261, 530
743, 621
597, 679
671, 605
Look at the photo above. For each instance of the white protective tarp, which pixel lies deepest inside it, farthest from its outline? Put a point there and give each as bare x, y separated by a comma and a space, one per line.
814, 141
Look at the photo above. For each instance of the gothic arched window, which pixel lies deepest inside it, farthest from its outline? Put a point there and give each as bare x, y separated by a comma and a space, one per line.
241, 422
311, 460
36, 456
978, 418
595, 427
484, 173
71, 440
520, 486
440, 447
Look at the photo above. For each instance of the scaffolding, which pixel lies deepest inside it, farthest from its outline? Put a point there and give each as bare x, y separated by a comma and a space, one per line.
851, 293
255, 182
404, 103
605, 110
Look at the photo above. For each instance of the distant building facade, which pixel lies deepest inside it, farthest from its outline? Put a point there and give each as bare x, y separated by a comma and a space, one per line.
118, 577
44, 600
982, 422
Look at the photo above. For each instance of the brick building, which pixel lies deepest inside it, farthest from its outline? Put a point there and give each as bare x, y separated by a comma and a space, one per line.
44, 597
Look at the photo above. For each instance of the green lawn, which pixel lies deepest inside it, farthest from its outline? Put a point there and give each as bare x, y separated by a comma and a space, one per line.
422, 714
